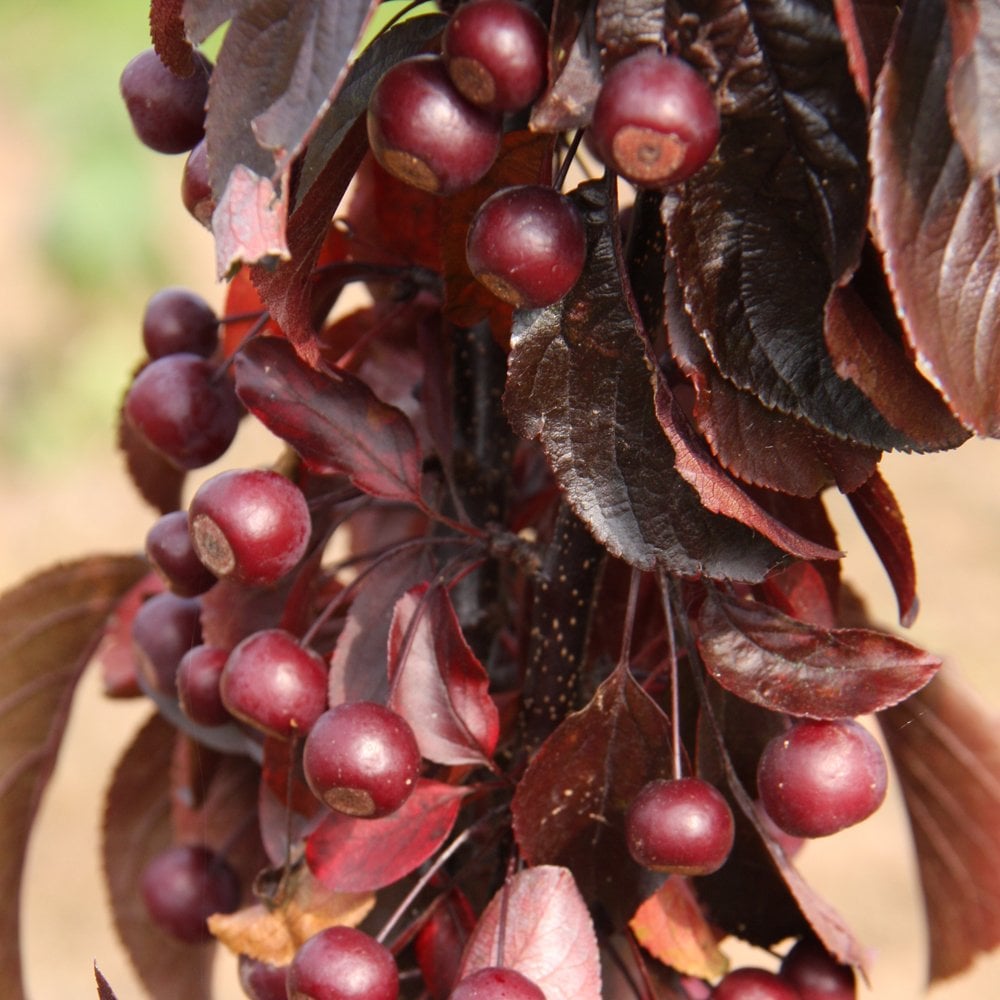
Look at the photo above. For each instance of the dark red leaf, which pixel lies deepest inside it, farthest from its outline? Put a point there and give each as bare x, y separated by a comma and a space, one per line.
974, 84
574, 72
286, 806
935, 224
136, 828
880, 516
866, 26
104, 990
50, 626
437, 683
777, 217
357, 855
802, 669
116, 653
946, 750
332, 419
540, 923
439, 944
166, 28
579, 379
569, 808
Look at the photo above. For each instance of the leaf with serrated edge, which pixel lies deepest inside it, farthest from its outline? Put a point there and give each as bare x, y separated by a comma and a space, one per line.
540, 924
946, 752
50, 626
672, 928
437, 683
332, 419
936, 225
791, 666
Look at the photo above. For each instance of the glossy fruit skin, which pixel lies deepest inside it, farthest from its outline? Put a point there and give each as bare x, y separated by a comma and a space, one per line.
196, 185
683, 826
179, 321
816, 974
184, 885
198, 676
753, 984
341, 963
167, 111
169, 549
496, 983
184, 409
528, 245
163, 630
362, 759
425, 133
655, 121
496, 52
250, 525
820, 777
261, 981
274, 683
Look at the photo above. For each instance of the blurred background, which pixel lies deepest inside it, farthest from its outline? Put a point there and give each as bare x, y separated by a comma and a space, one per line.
91, 224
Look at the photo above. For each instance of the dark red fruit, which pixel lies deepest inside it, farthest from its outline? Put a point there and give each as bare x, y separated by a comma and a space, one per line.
169, 549
178, 321
820, 777
683, 826
261, 981
167, 111
183, 886
754, 984
816, 974
341, 963
655, 121
425, 133
496, 983
527, 245
198, 677
251, 525
163, 630
196, 186
496, 52
362, 759
184, 409
273, 683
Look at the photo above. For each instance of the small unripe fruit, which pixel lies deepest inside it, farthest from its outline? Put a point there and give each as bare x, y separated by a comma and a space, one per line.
362, 759
341, 963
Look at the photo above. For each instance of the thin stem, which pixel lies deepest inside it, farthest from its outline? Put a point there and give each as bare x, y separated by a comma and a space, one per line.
675, 700
568, 160
625, 655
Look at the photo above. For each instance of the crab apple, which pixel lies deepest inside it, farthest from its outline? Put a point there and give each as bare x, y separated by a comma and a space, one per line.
527, 245
179, 321
261, 980
496, 983
362, 759
169, 549
496, 52
342, 963
820, 777
198, 677
184, 408
250, 525
196, 185
753, 984
164, 628
167, 111
655, 121
184, 885
274, 683
816, 974
683, 826
425, 133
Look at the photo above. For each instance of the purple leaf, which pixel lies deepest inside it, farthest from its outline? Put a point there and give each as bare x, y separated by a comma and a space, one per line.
569, 808
50, 626
935, 224
791, 666
974, 85
166, 28
436, 682
945, 748
332, 419
776, 219
579, 380
357, 855
623, 26
866, 26
540, 923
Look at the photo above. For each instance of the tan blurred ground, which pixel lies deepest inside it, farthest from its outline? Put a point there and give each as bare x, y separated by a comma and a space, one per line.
82, 504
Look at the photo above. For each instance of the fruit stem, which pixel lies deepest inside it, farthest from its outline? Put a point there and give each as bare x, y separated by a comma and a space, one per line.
675, 701
567, 161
